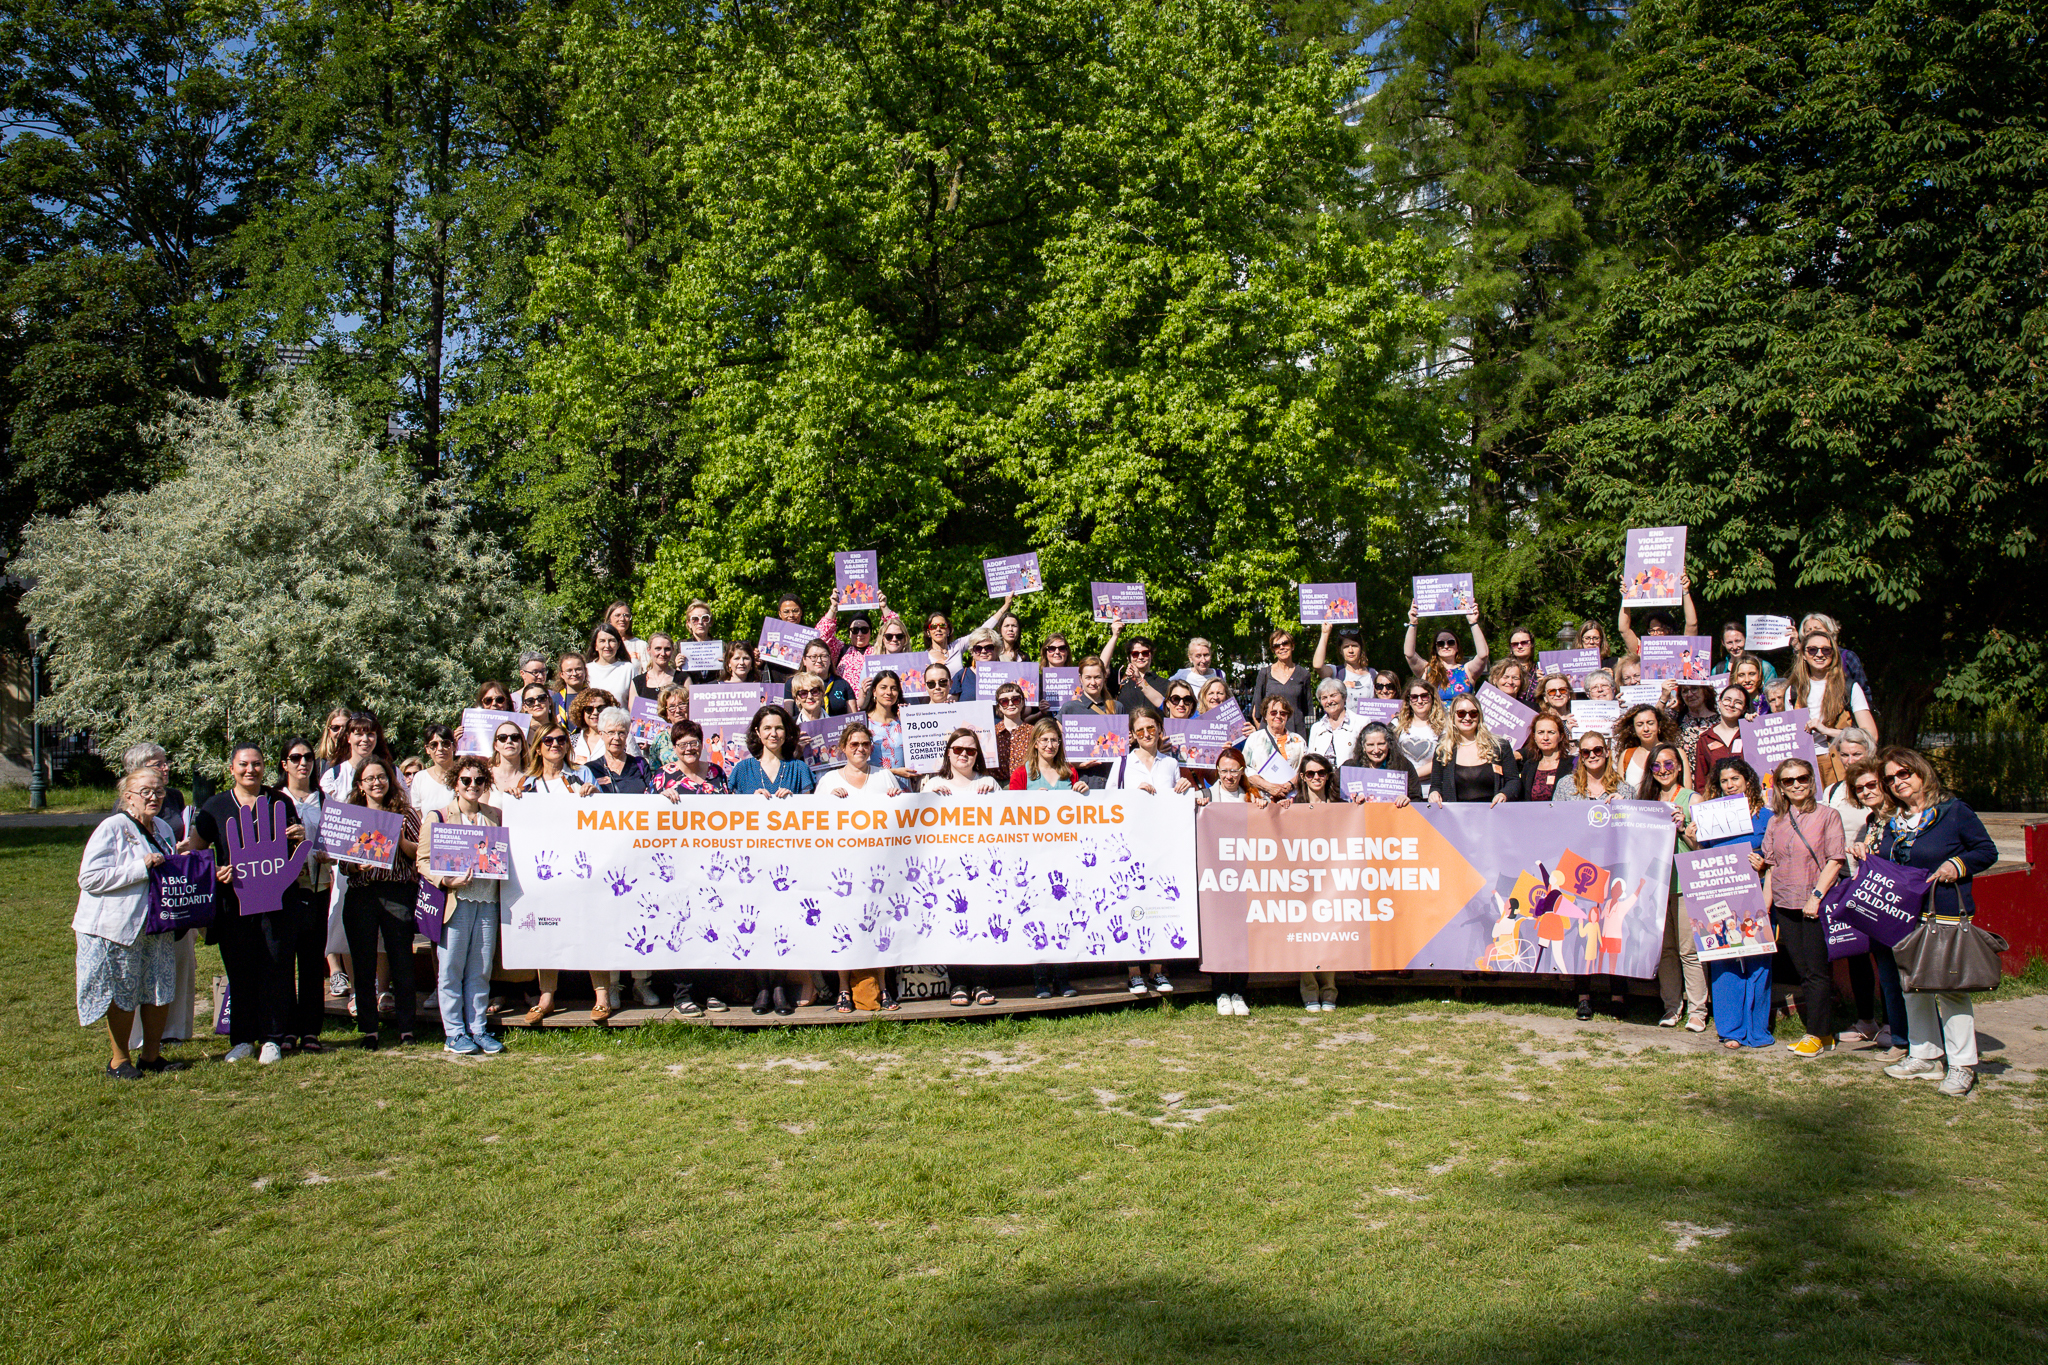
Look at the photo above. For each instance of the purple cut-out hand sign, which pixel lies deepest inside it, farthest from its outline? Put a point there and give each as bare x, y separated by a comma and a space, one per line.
264, 862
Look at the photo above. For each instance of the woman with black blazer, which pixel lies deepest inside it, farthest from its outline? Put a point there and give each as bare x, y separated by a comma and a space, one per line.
255, 950
1546, 758
1935, 832
1472, 763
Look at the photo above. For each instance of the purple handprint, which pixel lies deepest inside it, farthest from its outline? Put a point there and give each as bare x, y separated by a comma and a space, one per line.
899, 908
877, 880
1057, 882
1169, 888
263, 861
930, 899
617, 882
1179, 940
1120, 850
739, 951
1062, 935
970, 867
841, 940
780, 876
744, 871
649, 906
882, 940
638, 940
913, 871
1038, 936
925, 926
716, 866
1087, 857
998, 929
712, 902
1116, 928
710, 933
936, 873
781, 943
664, 866
1023, 873
995, 864
959, 900
811, 910
961, 928
870, 914
544, 864
1138, 876
748, 921
1144, 940
842, 883
1096, 945
582, 866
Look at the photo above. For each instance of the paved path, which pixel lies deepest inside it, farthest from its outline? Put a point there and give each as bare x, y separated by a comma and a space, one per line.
43, 819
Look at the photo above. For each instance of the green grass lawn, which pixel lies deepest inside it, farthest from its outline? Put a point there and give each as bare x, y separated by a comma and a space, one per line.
14, 800
1397, 1181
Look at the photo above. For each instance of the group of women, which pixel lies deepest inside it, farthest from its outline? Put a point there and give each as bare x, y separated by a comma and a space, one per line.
1302, 726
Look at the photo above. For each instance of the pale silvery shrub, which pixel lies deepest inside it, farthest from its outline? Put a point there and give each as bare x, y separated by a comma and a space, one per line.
286, 569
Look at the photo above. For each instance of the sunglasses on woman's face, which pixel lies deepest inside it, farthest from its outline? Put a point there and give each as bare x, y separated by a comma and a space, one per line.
530, 700
1664, 766
554, 741
337, 727
300, 757
508, 739
1180, 701
1819, 652
858, 746
1144, 731
1465, 715
810, 692
1870, 786
1010, 699
1418, 696
1799, 780
472, 781
894, 635
963, 750
438, 744
1588, 750
1316, 774
1385, 690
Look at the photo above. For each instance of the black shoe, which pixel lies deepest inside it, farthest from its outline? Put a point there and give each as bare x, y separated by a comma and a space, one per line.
369, 1041
1069, 992
1045, 992
782, 1005
761, 1001
845, 1003
685, 1005
311, 1045
124, 1072
161, 1065
1585, 1007
406, 1040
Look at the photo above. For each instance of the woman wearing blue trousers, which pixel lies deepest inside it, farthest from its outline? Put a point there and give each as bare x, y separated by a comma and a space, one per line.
1740, 987
469, 932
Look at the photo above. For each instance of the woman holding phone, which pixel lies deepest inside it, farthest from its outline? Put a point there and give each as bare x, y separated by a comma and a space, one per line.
469, 928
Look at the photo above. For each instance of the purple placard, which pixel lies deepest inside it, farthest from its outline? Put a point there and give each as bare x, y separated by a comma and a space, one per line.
360, 834
1058, 685
260, 852
1884, 900
1573, 663
1723, 903
909, 670
1768, 741
646, 724
819, 742
988, 677
1233, 715
858, 576
1012, 573
430, 912
1329, 602
1652, 567
1385, 710
1503, 714
1118, 601
182, 893
1094, 739
1844, 939
782, 642
480, 723
1198, 741
1671, 658
482, 850
725, 710
1383, 785
1443, 594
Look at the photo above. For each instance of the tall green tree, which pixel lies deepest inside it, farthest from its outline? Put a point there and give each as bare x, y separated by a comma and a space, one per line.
122, 172
1830, 363
957, 280
1480, 125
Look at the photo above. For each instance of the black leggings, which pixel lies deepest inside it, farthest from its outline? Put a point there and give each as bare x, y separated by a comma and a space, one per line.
374, 911
1805, 941
256, 952
305, 946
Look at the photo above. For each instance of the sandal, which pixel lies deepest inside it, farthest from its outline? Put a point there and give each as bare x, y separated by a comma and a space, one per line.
888, 1003
845, 1005
984, 996
310, 1044
960, 996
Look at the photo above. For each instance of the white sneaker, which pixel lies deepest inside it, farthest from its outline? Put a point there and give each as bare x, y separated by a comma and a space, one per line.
1238, 1006
1696, 1021
1917, 1069
1958, 1081
337, 985
240, 1052
647, 996
1313, 1006
1223, 1004
1329, 1006
270, 1055
1137, 985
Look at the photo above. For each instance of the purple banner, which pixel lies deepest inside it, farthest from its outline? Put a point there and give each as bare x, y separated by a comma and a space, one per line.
1374, 784
264, 861
1012, 573
1723, 903
480, 726
430, 912
1329, 602
182, 893
819, 742
1768, 741
1092, 738
1573, 663
646, 723
989, 677
1503, 714
1443, 594
1652, 567
858, 576
1884, 900
1232, 715
724, 711
1059, 685
1198, 741
909, 670
782, 642
360, 834
1370, 709
1674, 658
1118, 601
483, 851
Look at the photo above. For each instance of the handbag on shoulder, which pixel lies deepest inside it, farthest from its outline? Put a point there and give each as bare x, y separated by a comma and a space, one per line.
1949, 953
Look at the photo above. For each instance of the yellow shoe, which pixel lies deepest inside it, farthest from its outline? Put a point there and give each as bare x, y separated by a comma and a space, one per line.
1811, 1046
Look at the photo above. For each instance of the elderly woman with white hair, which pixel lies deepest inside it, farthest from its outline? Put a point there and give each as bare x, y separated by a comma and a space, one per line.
1335, 732
120, 968
613, 770
178, 1027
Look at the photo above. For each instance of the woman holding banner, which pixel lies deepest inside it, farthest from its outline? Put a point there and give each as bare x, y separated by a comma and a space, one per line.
1522, 652
548, 769
1641, 728
120, 968
772, 767
1013, 731
1593, 777
1351, 668
1214, 693
1421, 726
1740, 987
858, 776
611, 668
688, 773
1376, 749
1513, 677
1546, 759
1933, 831
882, 705
1273, 753
615, 772
305, 904
672, 705
1472, 763
1803, 854
469, 926
1144, 768
1335, 732
1045, 767
1859, 799
1093, 698
1664, 780
837, 697
963, 773
1444, 670
380, 900
1592, 635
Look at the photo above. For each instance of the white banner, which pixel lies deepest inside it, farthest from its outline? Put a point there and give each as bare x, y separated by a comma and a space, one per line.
925, 729
818, 882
